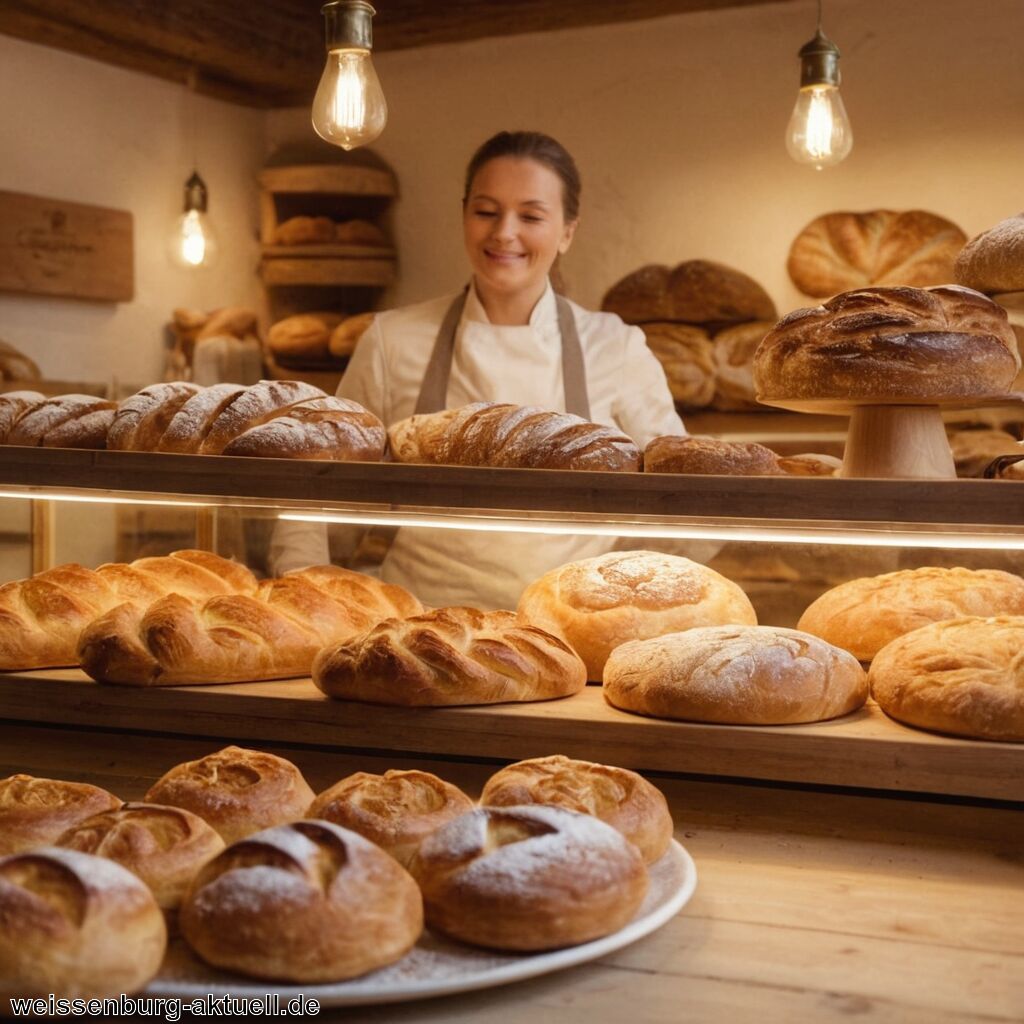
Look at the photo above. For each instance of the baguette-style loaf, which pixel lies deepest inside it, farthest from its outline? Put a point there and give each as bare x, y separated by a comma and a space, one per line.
498, 434
256, 405
140, 420
65, 421
191, 423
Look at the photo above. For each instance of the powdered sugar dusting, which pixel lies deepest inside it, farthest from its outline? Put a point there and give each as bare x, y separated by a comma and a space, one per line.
188, 428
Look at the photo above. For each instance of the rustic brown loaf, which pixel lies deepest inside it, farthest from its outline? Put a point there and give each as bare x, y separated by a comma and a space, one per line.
303, 336
36, 812
42, 617
308, 903
450, 656
528, 878
685, 355
498, 434
346, 335
994, 260
15, 365
273, 633
961, 676
619, 797
880, 344
231, 321
740, 675
75, 926
733, 353
141, 419
864, 615
596, 604
359, 232
14, 405
304, 230
396, 810
236, 791
65, 421
672, 454
839, 252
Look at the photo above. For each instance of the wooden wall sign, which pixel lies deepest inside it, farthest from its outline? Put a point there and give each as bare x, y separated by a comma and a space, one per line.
54, 247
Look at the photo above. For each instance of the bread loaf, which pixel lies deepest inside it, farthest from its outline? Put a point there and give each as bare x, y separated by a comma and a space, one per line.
346, 335
303, 336
359, 232
15, 365
14, 405
254, 406
65, 421
810, 464
994, 260
839, 252
140, 421
304, 230
882, 344
232, 321
450, 656
685, 355
733, 354
191, 423
596, 604
708, 455
497, 434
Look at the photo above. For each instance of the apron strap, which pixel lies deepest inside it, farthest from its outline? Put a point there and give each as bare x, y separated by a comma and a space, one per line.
574, 372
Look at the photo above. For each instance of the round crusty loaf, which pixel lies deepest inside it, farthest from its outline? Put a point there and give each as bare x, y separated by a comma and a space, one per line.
450, 656
308, 902
303, 336
76, 926
994, 260
864, 615
36, 812
529, 878
838, 252
883, 344
396, 810
235, 790
596, 604
14, 405
738, 675
961, 676
346, 335
619, 797
142, 418
733, 354
685, 355
674, 454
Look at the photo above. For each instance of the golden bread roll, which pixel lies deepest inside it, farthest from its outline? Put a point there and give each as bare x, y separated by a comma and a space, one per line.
619, 797
994, 260
65, 421
838, 252
810, 464
141, 419
235, 790
303, 336
733, 354
528, 878
164, 846
346, 335
359, 232
304, 230
308, 903
396, 810
596, 604
685, 355
962, 676
881, 344
36, 812
864, 615
75, 925
973, 450
14, 405
674, 454
257, 404
231, 321
15, 365
736, 675
450, 656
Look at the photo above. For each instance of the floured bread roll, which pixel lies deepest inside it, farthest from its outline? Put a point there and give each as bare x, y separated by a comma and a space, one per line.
598, 603
307, 903
733, 354
685, 355
396, 810
76, 926
738, 675
994, 260
973, 450
237, 791
962, 676
864, 615
672, 454
528, 878
623, 799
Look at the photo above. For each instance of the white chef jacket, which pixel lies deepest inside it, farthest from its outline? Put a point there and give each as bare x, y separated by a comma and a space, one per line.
491, 363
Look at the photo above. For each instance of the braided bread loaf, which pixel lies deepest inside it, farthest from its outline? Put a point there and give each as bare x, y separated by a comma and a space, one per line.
450, 656
41, 617
499, 434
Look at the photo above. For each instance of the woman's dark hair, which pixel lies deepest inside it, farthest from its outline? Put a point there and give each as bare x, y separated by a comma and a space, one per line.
532, 146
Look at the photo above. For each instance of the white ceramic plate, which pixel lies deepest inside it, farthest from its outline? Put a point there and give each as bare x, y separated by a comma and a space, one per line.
436, 966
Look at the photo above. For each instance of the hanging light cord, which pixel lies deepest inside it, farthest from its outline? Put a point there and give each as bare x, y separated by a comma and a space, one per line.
819, 15
192, 82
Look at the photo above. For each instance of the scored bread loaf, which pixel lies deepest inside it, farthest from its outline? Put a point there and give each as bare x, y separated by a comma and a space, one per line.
450, 656
191, 423
14, 405
993, 261
256, 405
671, 454
499, 434
685, 355
141, 419
65, 421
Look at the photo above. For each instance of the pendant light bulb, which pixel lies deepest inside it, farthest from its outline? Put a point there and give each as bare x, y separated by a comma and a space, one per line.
349, 108
192, 242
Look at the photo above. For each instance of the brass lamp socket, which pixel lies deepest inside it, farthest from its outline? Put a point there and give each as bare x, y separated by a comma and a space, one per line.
349, 25
819, 61
195, 194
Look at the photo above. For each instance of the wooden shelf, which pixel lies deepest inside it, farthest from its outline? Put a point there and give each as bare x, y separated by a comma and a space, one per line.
329, 178
327, 271
337, 250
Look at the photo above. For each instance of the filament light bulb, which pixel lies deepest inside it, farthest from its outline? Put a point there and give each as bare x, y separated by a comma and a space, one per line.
192, 242
819, 132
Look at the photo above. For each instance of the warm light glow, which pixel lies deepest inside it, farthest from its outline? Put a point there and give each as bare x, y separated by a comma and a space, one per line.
349, 108
104, 499
819, 131
192, 242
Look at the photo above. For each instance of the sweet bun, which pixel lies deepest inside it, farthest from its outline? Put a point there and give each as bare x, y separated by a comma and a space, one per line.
684, 352
307, 903
235, 790
596, 604
674, 454
396, 810
623, 799
960, 676
36, 812
164, 846
993, 261
733, 355
528, 878
864, 615
346, 335
76, 926
737, 675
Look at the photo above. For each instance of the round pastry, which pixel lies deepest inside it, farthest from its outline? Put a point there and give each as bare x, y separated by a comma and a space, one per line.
235, 790
961, 676
76, 926
164, 846
736, 675
346, 335
994, 260
673, 454
36, 812
396, 810
733, 354
623, 799
529, 878
882, 344
596, 604
685, 355
308, 903
864, 615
